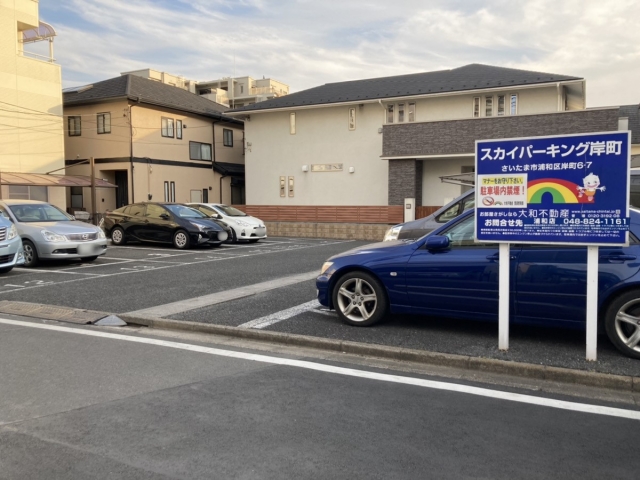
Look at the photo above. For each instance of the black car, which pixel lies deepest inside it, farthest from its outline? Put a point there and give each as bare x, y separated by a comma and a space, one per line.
162, 223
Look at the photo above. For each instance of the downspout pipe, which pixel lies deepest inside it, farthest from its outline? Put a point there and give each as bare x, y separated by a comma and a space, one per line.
133, 188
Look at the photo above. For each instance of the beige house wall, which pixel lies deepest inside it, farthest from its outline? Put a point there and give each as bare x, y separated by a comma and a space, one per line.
322, 137
148, 178
434, 191
31, 96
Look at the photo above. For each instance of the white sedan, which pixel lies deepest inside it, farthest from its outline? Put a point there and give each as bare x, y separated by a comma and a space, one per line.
243, 226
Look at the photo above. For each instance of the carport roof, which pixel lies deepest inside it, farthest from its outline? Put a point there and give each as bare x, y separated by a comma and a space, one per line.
229, 169
48, 180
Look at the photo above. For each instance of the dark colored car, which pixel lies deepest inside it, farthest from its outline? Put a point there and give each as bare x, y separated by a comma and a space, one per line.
448, 274
162, 223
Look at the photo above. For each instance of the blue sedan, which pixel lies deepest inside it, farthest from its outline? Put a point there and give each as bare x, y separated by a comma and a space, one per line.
448, 274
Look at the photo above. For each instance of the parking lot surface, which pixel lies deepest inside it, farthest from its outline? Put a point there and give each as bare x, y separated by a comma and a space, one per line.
270, 285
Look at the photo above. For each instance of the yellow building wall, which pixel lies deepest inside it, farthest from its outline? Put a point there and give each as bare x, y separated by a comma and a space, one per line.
31, 132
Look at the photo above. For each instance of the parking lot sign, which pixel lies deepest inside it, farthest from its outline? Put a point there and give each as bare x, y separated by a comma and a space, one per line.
560, 189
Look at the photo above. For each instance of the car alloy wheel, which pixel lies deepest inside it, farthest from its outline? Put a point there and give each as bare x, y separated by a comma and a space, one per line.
117, 236
359, 299
30, 254
181, 240
622, 323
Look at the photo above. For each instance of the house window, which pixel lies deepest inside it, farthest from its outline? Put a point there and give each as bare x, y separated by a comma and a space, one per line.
104, 123
169, 191
412, 112
167, 127
476, 107
23, 192
513, 105
75, 126
292, 123
488, 106
401, 113
199, 151
179, 129
76, 197
227, 137
352, 119
390, 109
241, 88
501, 105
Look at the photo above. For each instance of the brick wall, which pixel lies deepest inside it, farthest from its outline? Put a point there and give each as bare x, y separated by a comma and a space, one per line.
405, 181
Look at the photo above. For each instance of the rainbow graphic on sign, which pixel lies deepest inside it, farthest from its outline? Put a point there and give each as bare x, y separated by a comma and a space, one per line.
560, 191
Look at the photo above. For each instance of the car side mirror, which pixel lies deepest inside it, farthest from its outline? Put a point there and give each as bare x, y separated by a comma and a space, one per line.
219, 217
437, 242
165, 216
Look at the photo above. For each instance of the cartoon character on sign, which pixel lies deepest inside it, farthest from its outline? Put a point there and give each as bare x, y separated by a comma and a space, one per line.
591, 185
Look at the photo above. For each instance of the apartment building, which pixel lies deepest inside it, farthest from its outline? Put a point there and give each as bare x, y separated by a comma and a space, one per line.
154, 141
31, 125
377, 141
231, 92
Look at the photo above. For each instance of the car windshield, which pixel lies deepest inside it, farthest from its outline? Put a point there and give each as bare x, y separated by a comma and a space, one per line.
184, 212
41, 212
230, 211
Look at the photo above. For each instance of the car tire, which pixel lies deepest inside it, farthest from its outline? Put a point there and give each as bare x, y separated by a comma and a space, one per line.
234, 237
88, 259
118, 237
360, 299
181, 240
622, 323
30, 254
5, 270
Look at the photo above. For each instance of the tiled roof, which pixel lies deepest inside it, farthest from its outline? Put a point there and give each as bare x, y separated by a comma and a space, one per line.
632, 112
469, 77
147, 92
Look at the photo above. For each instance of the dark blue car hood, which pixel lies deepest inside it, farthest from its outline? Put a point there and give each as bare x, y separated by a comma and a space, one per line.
380, 247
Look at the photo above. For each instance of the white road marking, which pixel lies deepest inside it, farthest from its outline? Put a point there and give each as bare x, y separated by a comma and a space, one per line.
59, 271
183, 264
15, 286
224, 296
319, 367
263, 322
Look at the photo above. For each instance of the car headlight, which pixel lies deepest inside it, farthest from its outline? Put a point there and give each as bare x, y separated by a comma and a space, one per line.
101, 234
392, 233
325, 267
53, 237
202, 228
243, 224
13, 232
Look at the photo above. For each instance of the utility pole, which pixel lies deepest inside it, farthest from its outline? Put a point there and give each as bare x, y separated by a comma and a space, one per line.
94, 215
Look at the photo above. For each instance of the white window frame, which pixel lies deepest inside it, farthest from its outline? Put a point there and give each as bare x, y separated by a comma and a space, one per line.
411, 112
512, 110
486, 109
77, 125
179, 129
475, 108
292, 123
167, 127
227, 137
390, 113
352, 118
104, 122
504, 105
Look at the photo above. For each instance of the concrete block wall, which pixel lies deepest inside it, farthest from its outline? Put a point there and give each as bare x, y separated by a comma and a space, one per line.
341, 231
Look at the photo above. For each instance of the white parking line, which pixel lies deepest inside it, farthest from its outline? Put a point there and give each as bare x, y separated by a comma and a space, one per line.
224, 296
351, 372
181, 265
60, 271
263, 322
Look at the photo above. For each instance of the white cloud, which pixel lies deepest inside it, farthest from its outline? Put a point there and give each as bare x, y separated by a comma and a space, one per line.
306, 43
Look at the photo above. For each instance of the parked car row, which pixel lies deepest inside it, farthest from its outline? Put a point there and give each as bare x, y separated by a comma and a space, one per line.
447, 274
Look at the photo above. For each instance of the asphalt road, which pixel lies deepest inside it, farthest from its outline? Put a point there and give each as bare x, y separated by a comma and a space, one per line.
136, 277
75, 406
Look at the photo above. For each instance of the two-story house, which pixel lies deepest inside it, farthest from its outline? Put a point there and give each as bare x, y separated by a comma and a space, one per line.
377, 141
30, 104
154, 141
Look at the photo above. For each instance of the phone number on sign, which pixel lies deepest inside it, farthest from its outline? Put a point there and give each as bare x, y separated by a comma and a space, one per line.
595, 221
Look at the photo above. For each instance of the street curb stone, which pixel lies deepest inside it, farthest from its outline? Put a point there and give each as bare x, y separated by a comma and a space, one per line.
527, 370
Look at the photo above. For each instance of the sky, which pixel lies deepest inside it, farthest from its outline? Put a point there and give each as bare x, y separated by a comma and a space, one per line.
306, 43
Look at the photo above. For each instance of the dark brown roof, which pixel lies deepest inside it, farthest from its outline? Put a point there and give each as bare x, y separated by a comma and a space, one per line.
145, 91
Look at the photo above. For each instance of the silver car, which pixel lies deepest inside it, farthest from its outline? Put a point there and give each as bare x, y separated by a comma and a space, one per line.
48, 233
11, 253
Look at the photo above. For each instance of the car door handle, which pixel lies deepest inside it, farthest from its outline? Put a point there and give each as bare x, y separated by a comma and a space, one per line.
618, 257
496, 256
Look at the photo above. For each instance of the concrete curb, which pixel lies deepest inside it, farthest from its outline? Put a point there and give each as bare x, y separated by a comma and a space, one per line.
527, 370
